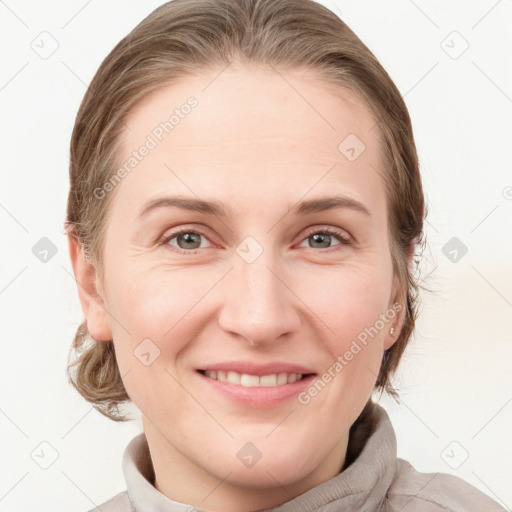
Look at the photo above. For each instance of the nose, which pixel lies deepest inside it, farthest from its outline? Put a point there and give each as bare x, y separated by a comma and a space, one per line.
258, 302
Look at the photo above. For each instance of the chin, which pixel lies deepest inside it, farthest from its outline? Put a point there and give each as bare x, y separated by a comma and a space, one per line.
263, 474
250, 467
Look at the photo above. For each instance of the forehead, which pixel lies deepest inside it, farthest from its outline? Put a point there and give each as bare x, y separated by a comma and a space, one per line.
252, 129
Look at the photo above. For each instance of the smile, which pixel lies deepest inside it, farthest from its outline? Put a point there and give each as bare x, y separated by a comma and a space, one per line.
249, 381
253, 386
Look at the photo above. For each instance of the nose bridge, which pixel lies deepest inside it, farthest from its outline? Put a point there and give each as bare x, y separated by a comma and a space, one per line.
258, 305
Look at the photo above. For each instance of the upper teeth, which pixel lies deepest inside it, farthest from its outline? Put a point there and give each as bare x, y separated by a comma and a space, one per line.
244, 379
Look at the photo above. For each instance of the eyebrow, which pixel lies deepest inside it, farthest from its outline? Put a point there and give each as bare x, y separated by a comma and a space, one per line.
218, 209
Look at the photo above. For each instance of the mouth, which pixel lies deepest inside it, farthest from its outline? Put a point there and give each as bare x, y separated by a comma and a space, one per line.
248, 380
256, 386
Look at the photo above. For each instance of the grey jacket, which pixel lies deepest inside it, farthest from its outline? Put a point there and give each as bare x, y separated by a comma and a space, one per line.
373, 480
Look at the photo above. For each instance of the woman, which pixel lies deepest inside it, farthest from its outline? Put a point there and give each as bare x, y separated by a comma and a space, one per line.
243, 218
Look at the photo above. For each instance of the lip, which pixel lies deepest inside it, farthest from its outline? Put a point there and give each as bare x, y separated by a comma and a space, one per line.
257, 396
257, 369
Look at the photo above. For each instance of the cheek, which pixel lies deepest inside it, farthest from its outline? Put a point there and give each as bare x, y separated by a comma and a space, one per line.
159, 313
152, 311
349, 309
350, 300
352, 308
153, 305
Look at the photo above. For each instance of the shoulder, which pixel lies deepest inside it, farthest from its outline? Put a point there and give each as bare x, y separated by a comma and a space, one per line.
119, 503
412, 491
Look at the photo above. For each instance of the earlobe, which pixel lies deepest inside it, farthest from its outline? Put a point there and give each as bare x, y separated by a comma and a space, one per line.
393, 333
91, 300
399, 305
396, 313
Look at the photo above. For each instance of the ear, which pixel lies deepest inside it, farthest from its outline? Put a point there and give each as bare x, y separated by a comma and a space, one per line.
89, 292
398, 304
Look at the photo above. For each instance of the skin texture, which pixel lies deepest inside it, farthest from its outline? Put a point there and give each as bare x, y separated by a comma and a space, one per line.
258, 146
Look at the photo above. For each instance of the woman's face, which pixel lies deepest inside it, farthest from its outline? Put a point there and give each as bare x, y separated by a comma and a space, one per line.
268, 281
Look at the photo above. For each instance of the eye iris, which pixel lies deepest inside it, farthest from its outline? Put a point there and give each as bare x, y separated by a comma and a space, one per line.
321, 237
189, 238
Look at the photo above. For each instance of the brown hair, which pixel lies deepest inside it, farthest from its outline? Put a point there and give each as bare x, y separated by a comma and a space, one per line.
186, 36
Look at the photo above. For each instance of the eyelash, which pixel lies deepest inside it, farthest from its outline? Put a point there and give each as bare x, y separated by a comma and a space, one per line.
344, 240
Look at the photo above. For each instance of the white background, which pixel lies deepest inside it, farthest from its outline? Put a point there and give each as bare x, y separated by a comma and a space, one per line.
455, 379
